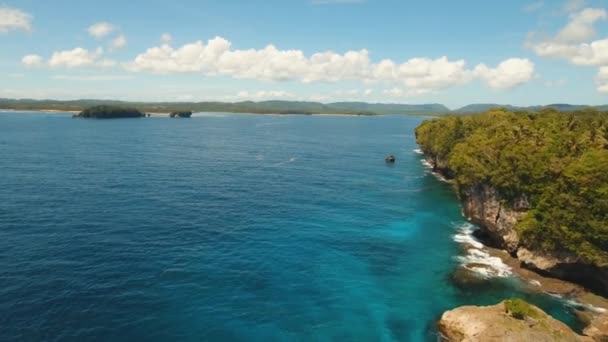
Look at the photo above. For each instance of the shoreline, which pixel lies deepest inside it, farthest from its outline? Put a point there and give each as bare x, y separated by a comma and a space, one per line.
480, 263
56, 111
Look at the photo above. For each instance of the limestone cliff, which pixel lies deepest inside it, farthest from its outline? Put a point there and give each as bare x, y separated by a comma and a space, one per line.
482, 205
497, 219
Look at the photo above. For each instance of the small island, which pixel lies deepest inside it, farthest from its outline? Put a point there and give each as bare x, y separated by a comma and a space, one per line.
181, 114
109, 112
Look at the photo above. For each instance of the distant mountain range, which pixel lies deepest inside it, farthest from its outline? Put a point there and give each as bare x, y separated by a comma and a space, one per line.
482, 107
278, 107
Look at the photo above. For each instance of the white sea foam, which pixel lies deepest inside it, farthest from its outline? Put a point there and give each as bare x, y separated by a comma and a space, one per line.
436, 174
555, 295
477, 259
465, 236
575, 304
418, 151
492, 266
426, 163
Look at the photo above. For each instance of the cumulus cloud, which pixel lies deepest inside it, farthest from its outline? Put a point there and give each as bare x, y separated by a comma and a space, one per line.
92, 78
570, 42
264, 95
580, 27
12, 19
574, 5
118, 42
166, 38
507, 74
31, 60
602, 80
574, 43
217, 57
101, 29
78, 57
555, 83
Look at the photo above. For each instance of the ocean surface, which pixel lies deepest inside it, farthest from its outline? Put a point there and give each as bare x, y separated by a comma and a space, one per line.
228, 227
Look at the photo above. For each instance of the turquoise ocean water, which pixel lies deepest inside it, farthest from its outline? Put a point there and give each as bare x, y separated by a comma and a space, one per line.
226, 227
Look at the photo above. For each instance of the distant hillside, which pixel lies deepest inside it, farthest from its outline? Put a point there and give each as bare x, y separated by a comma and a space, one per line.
483, 107
264, 107
280, 107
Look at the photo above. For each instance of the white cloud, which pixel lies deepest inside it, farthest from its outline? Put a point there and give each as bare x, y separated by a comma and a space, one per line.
101, 29
574, 43
580, 27
570, 42
217, 57
574, 5
77, 57
264, 95
400, 92
166, 38
555, 83
602, 80
12, 19
31, 60
92, 78
534, 6
507, 74
118, 42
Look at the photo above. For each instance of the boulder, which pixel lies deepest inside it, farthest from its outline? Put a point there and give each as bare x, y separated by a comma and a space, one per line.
390, 159
181, 114
512, 320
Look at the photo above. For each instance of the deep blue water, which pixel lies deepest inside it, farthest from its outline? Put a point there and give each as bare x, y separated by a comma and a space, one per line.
225, 228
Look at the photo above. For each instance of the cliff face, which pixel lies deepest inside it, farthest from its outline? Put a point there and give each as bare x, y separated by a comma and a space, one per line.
482, 205
495, 323
497, 219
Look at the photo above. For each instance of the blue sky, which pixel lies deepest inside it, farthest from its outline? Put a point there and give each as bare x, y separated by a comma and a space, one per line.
455, 53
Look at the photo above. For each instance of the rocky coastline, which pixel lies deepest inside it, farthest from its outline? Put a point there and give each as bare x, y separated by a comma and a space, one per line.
497, 218
558, 275
513, 320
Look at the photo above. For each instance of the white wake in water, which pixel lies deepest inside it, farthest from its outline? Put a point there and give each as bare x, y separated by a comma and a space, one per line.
291, 160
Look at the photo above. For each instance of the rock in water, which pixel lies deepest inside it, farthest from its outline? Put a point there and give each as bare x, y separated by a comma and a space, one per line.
181, 114
390, 159
512, 320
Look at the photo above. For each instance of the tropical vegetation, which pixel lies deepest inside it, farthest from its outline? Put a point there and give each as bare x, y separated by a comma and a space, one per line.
558, 161
110, 112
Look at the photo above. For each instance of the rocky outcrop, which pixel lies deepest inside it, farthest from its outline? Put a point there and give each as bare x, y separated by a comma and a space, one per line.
566, 266
499, 323
482, 205
390, 159
180, 114
598, 328
497, 219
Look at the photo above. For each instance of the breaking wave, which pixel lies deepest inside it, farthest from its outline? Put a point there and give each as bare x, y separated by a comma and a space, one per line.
477, 259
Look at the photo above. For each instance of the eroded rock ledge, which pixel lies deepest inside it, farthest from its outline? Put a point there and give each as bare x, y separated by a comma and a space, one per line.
503, 323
